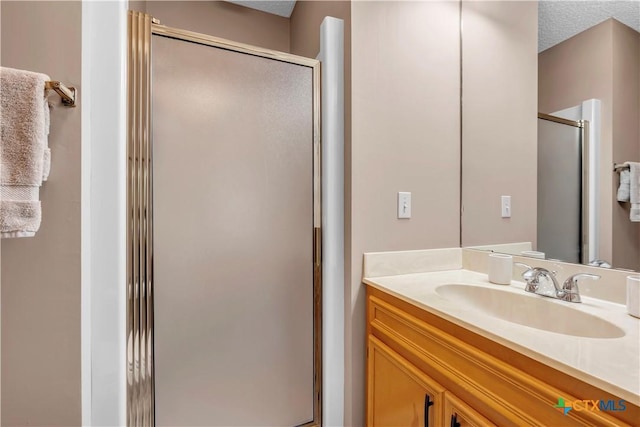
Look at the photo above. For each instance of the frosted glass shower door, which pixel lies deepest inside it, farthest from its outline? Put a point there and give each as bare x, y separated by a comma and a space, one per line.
233, 237
559, 191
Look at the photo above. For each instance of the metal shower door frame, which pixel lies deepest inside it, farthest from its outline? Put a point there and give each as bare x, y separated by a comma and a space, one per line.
583, 125
139, 286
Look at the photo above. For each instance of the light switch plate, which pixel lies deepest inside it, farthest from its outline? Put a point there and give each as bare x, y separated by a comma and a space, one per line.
404, 205
506, 206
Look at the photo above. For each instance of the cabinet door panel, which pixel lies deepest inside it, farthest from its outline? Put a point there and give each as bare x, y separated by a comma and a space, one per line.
459, 414
399, 394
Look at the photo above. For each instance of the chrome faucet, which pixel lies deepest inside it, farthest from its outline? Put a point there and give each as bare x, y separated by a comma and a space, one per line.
600, 263
570, 291
533, 276
567, 292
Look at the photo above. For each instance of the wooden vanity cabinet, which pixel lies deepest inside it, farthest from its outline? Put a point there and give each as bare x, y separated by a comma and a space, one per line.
400, 394
472, 381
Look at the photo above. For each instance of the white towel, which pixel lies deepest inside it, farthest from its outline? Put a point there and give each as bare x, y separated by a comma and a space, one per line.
23, 150
634, 190
624, 188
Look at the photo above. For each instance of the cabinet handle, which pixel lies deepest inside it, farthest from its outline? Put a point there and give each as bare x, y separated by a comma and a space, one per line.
454, 420
427, 404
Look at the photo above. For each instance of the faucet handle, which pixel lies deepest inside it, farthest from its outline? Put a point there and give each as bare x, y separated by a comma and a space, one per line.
534, 272
530, 276
523, 265
529, 271
570, 291
573, 280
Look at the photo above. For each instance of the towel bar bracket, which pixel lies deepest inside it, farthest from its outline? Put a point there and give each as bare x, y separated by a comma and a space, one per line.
618, 167
68, 94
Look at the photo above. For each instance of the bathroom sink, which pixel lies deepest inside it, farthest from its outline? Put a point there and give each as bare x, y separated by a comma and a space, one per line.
530, 310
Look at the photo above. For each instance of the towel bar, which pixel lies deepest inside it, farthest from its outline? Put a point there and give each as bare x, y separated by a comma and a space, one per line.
68, 94
617, 167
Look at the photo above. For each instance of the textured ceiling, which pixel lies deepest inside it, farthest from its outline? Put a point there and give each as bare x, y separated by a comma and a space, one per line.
559, 20
277, 7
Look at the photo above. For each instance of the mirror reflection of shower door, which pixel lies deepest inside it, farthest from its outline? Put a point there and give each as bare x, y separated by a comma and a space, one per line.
233, 182
560, 189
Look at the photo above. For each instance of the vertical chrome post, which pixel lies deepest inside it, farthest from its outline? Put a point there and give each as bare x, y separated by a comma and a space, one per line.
140, 396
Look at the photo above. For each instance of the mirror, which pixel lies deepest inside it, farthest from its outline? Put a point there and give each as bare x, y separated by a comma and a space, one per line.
582, 73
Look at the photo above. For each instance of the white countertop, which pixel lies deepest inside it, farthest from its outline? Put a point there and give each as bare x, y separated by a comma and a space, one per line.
612, 364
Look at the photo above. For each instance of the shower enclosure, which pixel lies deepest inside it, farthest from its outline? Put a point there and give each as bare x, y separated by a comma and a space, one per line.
224, 232
563, 214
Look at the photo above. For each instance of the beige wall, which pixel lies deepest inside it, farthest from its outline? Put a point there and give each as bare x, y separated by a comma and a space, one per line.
571, 72
221, 19
601, 63
626, 138
499, 121
41, 275
305, 28
405, 137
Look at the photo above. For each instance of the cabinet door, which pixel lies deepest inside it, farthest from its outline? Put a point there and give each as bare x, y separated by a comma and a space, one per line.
459, 414
398, 393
